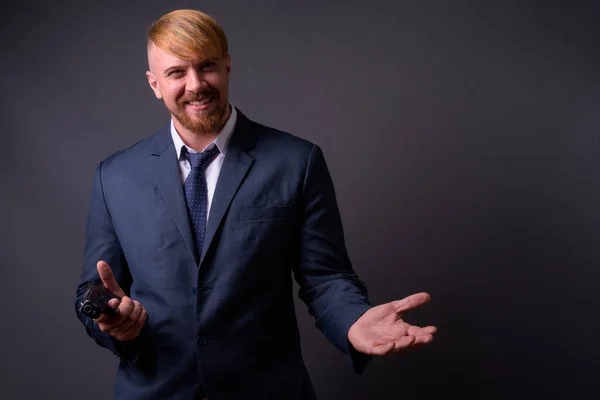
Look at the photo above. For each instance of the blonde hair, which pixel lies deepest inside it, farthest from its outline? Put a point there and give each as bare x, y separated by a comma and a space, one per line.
189, 33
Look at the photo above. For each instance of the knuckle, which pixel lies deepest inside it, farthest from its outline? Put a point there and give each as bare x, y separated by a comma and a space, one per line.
133, 317
125, 308
138, 309
130, 317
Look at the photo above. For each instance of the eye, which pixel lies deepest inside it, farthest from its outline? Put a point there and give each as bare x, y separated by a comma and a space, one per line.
208, 66
175, 73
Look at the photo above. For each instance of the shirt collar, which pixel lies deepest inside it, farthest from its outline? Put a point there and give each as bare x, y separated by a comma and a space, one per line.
221, 141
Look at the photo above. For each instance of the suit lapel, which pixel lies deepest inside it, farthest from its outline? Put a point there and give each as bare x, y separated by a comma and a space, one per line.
166, 171
235, 167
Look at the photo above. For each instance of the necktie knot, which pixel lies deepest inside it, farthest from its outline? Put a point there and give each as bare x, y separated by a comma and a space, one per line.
201, 160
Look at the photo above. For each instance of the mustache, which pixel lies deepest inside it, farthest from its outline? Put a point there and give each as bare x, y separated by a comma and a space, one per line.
200, 96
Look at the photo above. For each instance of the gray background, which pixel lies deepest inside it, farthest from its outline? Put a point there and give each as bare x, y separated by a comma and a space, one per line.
462, 138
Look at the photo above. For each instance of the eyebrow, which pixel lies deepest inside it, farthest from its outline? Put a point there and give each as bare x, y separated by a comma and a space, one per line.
176, 67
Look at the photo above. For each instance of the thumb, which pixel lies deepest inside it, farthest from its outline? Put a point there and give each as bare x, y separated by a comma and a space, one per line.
108, 278
113, 303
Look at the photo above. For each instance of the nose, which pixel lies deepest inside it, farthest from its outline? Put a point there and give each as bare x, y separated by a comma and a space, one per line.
195, 82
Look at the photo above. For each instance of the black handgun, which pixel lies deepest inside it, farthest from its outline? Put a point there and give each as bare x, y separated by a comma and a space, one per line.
93, 302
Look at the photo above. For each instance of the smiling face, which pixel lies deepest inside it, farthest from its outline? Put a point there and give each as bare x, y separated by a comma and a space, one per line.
195, 90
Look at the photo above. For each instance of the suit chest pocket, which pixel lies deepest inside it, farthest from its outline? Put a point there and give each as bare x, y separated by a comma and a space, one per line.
265, 228
265, 214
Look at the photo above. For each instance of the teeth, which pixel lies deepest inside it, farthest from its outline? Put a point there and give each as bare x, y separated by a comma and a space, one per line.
201, 102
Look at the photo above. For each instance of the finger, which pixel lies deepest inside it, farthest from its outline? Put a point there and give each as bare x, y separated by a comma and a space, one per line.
108, 278
404, 343
108, 323
394, 346
422, 339
417, 330
411, 302
383, 349
114, 323
126, 307
105, 318
133, 317
114, 304
109, 319
135, 329
429, 329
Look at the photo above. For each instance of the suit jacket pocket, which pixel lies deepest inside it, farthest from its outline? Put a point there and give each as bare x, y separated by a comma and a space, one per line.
264, 213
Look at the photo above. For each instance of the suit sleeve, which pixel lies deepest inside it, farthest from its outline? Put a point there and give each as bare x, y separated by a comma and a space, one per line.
102, 243
334, 294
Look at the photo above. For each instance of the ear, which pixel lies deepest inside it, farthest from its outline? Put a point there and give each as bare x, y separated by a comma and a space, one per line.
228, 64
153, 84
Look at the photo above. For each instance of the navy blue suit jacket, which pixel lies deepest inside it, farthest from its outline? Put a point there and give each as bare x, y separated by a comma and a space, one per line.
224, 323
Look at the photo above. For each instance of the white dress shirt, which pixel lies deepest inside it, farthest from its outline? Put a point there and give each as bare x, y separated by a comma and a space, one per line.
213, 170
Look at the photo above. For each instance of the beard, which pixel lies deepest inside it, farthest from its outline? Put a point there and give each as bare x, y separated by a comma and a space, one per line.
205, 121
